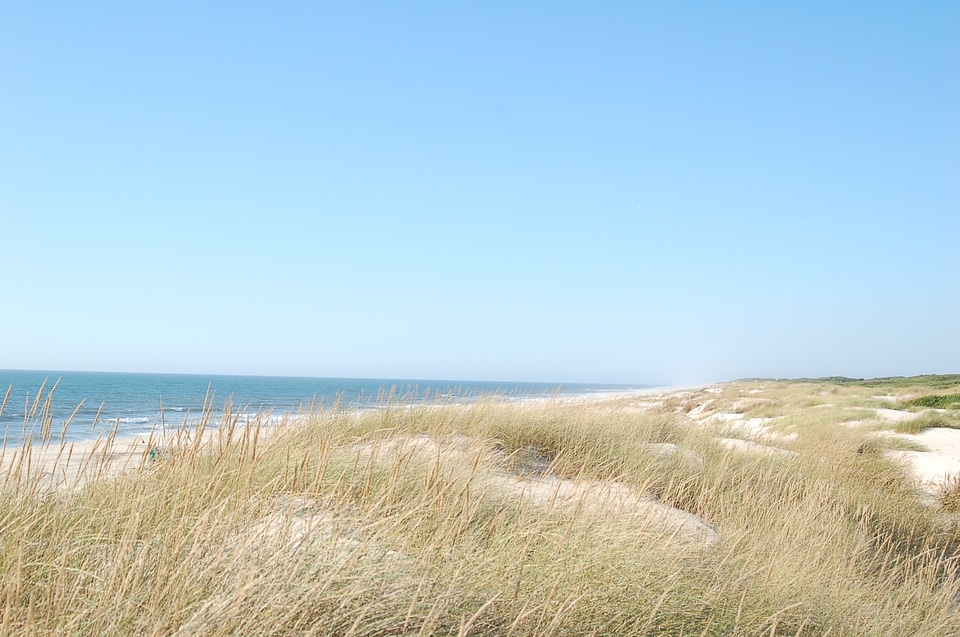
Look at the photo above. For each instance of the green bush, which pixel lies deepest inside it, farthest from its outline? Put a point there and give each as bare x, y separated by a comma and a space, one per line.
936, 402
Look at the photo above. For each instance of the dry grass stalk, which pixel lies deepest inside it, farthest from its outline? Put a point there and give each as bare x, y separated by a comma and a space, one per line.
487, 519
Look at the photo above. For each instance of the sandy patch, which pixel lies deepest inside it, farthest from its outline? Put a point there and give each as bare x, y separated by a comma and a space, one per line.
611, 497
699, 411
753, 447
896, 415
452, 449
853, 424
726, 416
757, 428
296, 522
668, 449
530, 482
937, 466
71, 464
662, 449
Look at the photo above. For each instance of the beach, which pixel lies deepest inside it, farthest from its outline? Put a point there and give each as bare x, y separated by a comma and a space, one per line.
771, 507
934, 463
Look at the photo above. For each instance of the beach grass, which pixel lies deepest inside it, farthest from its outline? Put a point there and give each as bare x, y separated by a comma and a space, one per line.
636, 515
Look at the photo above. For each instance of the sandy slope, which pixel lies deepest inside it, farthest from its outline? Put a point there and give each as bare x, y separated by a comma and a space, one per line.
70, 464
939, 464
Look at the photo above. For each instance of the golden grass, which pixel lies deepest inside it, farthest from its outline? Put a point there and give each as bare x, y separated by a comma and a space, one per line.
489, 519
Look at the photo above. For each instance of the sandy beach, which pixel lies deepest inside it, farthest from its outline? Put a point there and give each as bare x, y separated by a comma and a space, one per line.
70, 464
428, 515
934, 465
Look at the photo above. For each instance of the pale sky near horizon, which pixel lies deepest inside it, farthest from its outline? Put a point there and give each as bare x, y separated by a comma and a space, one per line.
629, 192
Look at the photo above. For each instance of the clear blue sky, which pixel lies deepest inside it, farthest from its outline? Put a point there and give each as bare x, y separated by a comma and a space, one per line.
662, 192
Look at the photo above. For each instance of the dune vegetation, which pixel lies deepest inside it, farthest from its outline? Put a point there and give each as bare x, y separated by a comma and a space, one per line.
748, 508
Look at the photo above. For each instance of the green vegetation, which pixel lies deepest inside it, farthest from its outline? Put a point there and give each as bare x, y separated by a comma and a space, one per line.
925, 380
625, 517
943, 401
927, 421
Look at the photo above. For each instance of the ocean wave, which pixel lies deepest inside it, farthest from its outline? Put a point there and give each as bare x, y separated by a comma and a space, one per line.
134, 421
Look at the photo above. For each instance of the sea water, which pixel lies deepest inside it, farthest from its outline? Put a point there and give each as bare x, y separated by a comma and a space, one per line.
85, 405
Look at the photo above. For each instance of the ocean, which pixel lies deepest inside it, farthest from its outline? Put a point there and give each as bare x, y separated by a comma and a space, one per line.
136, 404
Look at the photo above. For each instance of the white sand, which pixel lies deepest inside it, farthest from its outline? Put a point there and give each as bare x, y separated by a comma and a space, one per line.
748, 445
70, 464
611, 497
939, 464
548, 491
895, 415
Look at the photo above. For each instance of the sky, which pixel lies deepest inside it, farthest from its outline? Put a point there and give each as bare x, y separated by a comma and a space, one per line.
620, 192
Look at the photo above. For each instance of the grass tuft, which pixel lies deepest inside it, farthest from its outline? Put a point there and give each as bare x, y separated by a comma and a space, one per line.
939, 401
928, 420
949, 496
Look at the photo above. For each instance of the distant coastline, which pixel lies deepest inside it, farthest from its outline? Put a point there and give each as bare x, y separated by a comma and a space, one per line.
137, 403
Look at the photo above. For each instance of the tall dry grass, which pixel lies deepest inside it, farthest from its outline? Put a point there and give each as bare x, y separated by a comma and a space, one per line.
485, 519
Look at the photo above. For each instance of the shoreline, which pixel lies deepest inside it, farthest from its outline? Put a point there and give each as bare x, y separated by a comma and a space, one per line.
120, 427
71, 463
61, 464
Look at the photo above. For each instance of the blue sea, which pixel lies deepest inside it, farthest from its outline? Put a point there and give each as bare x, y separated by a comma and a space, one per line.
136, 404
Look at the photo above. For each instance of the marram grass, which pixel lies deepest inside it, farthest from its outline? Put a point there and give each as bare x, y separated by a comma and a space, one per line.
625, 517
